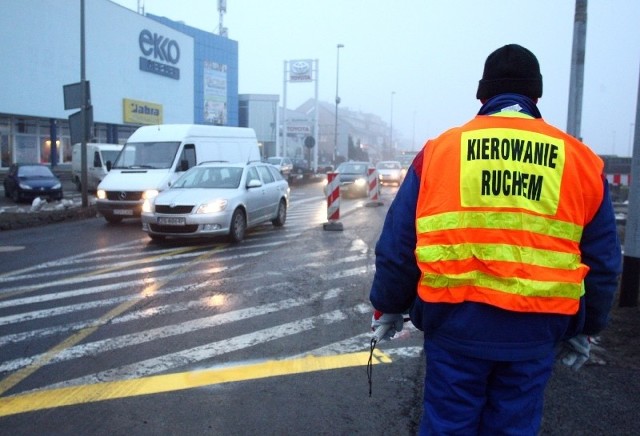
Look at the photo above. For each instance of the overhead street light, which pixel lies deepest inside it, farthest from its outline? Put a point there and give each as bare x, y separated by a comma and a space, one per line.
335, 142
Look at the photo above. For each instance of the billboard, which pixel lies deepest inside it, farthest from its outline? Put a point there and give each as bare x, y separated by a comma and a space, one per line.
215, 93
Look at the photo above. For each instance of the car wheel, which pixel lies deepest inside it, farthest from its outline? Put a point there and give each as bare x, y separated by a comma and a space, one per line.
113, 219
15, 195
238, 226
281, 216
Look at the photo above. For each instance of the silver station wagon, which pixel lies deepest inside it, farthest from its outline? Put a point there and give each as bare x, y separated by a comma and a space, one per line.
218, 198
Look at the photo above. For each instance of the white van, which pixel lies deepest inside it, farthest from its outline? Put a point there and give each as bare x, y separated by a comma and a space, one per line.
97, 157
154, 156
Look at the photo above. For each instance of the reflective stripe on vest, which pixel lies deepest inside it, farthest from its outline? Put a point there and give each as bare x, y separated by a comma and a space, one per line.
498, 221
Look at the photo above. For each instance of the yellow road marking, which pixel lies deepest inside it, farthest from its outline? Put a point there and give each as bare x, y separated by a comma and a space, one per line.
15, 378
76, 395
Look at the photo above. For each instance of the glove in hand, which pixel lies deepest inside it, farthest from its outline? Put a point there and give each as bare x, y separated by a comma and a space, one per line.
394, 321
575, 351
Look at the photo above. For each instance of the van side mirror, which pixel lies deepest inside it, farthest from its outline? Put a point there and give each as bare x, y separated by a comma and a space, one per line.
184, 165
108, 164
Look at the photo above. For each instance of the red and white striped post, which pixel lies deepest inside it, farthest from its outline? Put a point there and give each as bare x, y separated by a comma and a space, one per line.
333, 203
619, 179
374, 188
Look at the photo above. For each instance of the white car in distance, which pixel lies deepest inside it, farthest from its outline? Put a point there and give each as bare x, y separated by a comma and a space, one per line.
218, 198
390, 172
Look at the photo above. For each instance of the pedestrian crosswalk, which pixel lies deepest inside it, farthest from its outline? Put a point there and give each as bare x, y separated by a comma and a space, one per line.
135, 309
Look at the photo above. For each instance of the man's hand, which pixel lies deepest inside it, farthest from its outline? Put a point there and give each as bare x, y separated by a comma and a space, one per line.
394, 321
575, 351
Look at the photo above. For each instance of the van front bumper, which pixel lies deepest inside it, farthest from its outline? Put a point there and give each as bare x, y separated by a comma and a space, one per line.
123, 209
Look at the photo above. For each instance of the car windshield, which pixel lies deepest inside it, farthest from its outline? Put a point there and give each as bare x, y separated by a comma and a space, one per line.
34, 171
149, 155
352, 168
210, 178
389, 166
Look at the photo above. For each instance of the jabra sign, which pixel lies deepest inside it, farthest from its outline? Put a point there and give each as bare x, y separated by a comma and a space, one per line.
160, 54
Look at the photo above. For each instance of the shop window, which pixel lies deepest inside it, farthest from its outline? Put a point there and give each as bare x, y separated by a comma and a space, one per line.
66, 149
26, 126
5, 152
45, 151
26, 148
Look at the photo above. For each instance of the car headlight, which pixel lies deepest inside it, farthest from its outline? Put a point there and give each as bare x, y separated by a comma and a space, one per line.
212, 206
360, 182
57, 186
149, 194
148, 206
25, 186
101, 194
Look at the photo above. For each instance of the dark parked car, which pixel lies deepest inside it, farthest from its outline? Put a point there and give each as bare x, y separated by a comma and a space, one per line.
300, 170
28, 181
300, 166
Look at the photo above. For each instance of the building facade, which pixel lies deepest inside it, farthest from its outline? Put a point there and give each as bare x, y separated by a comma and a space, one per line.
140, 70
260, 112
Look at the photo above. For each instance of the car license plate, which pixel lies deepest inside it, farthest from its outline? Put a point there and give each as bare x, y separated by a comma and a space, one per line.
171, 221
123, 212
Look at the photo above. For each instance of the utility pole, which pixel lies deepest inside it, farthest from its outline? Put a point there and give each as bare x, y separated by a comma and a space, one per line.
390, 150
83, 110
630, 283
335, 139
576, 82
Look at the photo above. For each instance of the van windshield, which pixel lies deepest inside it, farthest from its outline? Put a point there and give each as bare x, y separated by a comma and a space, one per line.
150, 155
109, 155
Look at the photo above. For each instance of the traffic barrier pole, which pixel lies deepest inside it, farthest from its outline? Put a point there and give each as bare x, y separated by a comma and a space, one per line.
374, 189
333, 203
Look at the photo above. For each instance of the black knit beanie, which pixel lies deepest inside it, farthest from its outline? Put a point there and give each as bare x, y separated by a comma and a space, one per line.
511, 68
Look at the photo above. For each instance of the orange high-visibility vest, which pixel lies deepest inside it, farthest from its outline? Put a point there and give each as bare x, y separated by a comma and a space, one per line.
502, 205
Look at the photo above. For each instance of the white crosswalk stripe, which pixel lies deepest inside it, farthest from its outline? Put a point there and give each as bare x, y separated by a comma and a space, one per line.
149, 310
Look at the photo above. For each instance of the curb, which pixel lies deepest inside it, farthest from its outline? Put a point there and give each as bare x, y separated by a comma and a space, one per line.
21, 220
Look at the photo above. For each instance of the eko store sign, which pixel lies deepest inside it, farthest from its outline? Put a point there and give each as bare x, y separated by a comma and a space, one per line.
161, 54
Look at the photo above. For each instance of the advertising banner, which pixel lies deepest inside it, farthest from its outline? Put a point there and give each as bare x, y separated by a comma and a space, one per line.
215, 93
141, 112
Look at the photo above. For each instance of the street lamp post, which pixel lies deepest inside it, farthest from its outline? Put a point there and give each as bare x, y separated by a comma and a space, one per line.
389, 151
335, 140
413, 138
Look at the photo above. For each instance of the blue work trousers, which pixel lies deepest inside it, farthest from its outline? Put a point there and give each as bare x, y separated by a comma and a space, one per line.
469, 396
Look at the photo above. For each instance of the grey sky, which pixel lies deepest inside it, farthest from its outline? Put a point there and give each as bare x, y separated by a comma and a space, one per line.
431, 54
